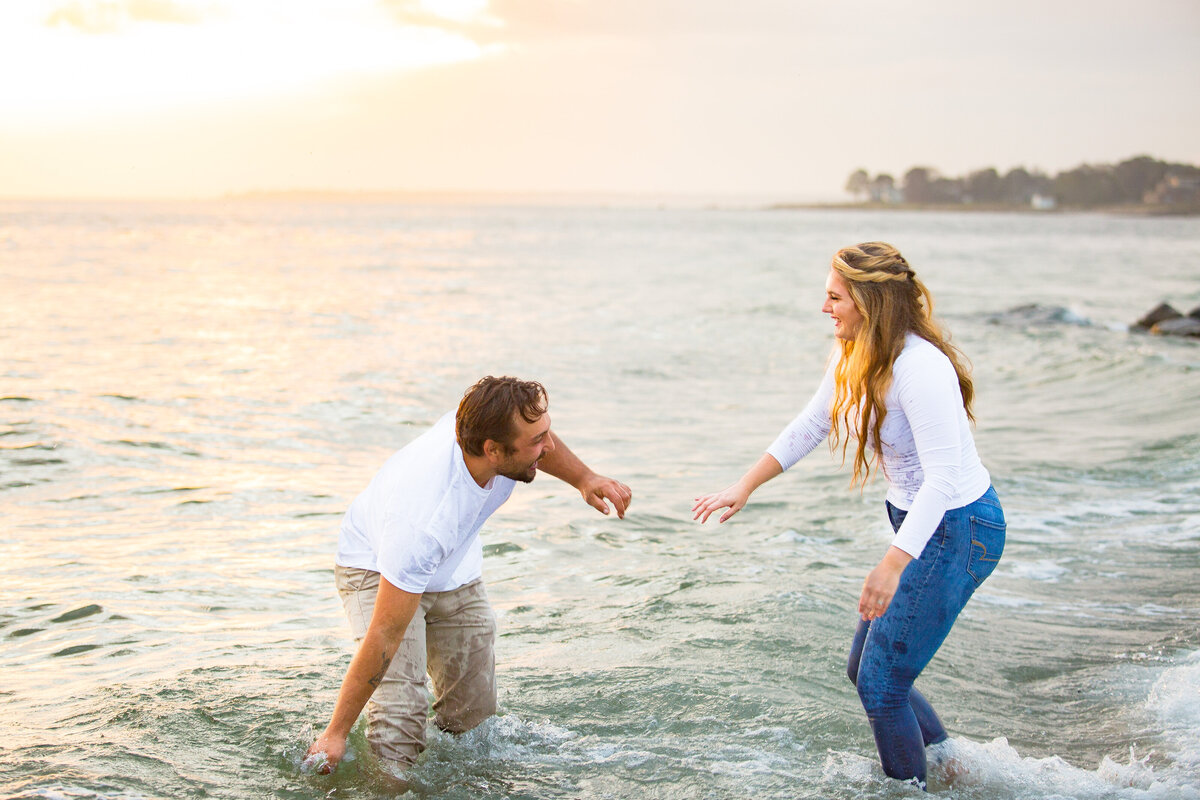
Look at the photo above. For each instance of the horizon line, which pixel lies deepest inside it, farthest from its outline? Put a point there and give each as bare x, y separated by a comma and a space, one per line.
443, 195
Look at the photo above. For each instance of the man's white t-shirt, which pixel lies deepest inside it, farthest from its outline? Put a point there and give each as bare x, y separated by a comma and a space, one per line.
417, 523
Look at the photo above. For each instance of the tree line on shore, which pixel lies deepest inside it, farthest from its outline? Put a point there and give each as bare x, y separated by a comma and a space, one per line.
1138, 181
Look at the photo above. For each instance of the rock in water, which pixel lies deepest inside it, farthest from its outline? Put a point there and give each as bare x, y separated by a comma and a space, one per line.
1180, 326
1160, 313
1037, 315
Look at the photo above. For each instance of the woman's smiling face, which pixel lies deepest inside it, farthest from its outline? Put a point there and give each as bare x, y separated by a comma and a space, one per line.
840, 307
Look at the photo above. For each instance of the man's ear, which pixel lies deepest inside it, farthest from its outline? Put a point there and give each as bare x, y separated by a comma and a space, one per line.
493, 450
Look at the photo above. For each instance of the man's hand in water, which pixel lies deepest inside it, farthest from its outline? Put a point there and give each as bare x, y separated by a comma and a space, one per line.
326, 752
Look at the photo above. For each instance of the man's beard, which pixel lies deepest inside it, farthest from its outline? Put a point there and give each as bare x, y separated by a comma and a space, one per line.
516, 473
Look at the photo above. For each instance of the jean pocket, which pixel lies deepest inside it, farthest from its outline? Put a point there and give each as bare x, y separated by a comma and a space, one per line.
987, 544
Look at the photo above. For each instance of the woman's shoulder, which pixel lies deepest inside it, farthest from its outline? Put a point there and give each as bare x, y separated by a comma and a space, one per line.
920, 354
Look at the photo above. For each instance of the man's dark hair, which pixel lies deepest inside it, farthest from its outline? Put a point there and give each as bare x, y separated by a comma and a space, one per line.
487, 408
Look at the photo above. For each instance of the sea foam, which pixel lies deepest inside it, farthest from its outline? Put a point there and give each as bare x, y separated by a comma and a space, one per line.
1175, 700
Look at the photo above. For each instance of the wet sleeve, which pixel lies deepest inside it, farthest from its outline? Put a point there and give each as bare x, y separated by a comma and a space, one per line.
929, 395
809, 428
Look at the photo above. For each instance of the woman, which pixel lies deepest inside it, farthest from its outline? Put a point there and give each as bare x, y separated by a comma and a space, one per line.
898, 396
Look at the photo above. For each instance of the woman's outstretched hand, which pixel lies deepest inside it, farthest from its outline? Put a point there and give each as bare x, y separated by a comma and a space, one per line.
734, 498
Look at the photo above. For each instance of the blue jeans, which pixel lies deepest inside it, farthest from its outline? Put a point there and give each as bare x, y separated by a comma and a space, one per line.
889, 653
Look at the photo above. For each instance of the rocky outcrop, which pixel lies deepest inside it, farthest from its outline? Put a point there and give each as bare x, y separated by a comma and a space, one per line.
1180, 326
1163, 320
1036, 315
1160, 313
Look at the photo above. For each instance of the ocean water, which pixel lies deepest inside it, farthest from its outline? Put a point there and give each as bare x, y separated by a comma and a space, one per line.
192, 393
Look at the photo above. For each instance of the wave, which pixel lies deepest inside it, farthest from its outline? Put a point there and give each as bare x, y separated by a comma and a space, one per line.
1038, 315
993, 770
1173, 701
996, 769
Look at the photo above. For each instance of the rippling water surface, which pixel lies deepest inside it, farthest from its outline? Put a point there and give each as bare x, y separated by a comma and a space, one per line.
191, 394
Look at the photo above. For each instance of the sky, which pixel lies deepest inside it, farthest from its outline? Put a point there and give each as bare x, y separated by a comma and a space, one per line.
777, 99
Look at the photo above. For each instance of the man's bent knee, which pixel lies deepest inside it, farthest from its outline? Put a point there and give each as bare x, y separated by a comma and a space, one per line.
397, 757
470, 701
398, 744
457, 725
396, 719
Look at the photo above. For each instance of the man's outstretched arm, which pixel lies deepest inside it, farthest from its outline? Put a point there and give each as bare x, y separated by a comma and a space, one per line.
394, 609
596, 489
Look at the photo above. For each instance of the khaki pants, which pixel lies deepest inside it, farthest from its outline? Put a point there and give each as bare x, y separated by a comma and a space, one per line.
452, 636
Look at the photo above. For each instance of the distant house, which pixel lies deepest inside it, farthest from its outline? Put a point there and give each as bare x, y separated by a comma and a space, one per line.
883, 189
887, 194
1175, 190
1042, 202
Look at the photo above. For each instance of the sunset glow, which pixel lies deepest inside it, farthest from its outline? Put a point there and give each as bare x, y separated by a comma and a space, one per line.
766, 99
92, 58
460, 10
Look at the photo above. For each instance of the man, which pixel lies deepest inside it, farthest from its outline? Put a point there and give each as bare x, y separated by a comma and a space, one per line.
409, 567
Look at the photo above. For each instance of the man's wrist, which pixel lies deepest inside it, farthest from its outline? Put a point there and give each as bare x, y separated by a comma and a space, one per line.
333, 731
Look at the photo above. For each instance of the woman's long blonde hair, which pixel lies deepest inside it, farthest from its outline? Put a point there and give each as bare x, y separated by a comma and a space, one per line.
892, 302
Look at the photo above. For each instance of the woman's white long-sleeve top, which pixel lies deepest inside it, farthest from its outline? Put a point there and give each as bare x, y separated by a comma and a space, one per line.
929, 455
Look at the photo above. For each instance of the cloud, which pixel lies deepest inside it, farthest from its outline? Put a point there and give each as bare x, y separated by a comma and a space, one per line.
540, 22
110, 16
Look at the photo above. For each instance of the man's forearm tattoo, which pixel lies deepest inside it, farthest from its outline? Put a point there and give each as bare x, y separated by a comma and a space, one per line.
377, 678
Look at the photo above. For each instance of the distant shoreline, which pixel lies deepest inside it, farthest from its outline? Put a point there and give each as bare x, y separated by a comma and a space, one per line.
585, 199
1140, 210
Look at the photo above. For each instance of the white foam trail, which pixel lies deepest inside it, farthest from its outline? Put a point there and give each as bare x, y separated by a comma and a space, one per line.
996, 766
1175, 700
1044, 570
791, 535
505, 738
1004, 600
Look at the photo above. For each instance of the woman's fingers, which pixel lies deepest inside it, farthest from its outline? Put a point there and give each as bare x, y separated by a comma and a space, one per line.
707, 504
872, 604
704, 505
